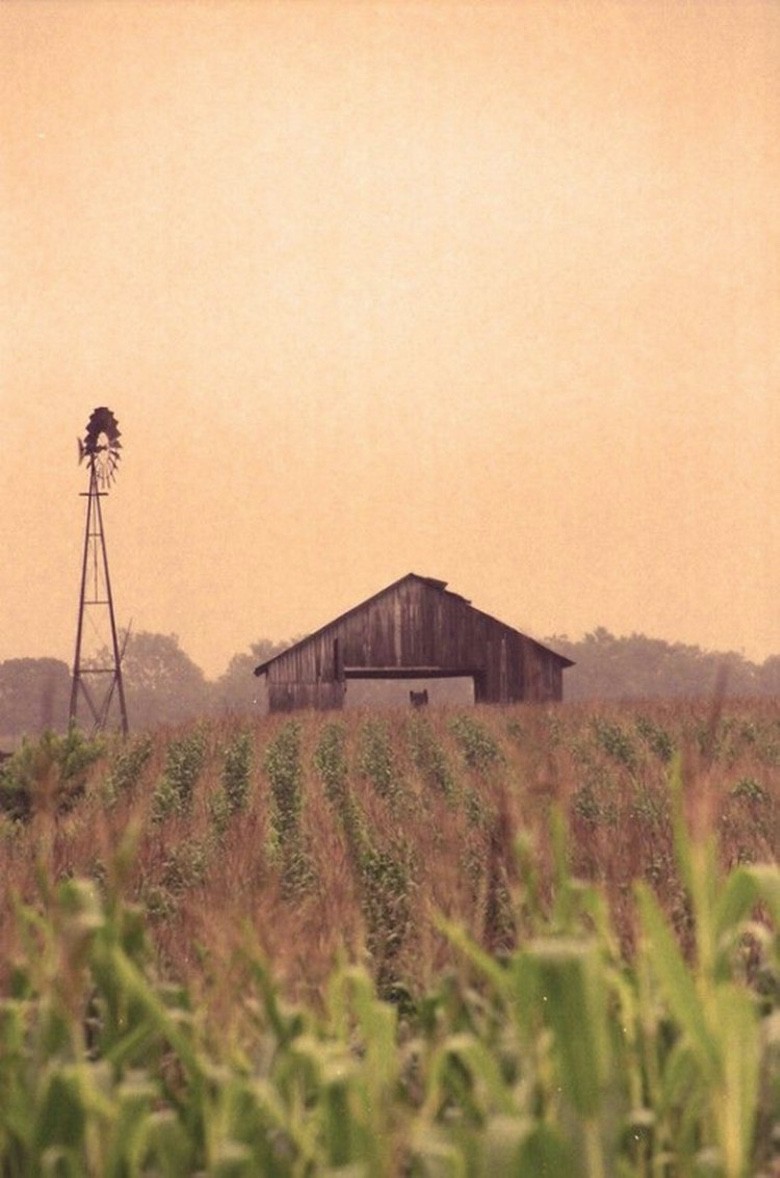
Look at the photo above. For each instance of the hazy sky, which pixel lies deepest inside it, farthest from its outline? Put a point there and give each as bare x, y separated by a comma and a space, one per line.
487, 292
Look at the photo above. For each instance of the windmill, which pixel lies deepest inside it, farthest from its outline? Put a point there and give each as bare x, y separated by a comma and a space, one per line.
98, 679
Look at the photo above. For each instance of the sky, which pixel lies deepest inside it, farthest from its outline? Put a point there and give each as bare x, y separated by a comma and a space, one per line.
483, 291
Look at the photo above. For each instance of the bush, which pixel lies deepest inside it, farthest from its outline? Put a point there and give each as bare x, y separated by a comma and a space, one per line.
49, 773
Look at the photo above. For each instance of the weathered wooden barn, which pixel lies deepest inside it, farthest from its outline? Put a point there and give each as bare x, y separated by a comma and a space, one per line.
413, 642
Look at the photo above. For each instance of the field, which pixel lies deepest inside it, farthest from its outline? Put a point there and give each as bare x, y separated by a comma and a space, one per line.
526, 940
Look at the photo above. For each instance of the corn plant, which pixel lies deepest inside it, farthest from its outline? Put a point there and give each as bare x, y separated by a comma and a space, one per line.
384, 873
283, 766
330, 762
232, 795
430, 759
378, 763
619, 1025
479, 748
126, 769
236, 772
184, 761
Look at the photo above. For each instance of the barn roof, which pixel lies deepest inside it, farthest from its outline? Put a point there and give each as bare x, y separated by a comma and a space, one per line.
440, 586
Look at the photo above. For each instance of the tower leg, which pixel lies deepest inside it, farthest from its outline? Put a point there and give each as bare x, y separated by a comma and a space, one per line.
98, 680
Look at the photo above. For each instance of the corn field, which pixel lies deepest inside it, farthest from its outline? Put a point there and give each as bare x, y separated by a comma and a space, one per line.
519, 941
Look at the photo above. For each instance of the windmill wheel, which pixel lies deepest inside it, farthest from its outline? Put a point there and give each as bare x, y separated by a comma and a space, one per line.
101, 445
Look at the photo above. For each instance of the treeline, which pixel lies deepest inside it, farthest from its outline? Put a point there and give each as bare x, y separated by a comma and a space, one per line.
638, 667
164, 686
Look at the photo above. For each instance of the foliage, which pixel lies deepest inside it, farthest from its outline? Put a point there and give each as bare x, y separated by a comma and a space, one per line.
283, 767
162, 684
34, 696
49, 773
561, 1057
127, 767
232, 794
378, 761
234, 690
355, 977
174, 791
615, 741
638, 667
477, 745
384, 872
429, 757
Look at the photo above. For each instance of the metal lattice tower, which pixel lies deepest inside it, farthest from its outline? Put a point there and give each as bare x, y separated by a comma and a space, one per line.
98, 679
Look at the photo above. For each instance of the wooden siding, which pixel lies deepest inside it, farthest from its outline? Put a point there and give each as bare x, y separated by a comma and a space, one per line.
414, 623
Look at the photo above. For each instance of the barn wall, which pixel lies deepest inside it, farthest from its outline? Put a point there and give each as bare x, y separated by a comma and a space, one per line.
415, 624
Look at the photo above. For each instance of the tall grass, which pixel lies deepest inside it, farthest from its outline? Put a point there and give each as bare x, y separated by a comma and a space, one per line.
513, 941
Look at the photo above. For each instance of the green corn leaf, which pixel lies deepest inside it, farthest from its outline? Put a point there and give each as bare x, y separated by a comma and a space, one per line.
502, 1144
59, 1162
437, 1157
544, 1152
486, 964
352, 992
61, 1115
136, 988
736, 901
682, 1098
676, 981
129, 1136
169, 1149
734, 1114
767, 880
233, 1160
482, 1066
574, 1007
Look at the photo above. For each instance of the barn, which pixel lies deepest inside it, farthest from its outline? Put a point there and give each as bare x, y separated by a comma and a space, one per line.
413, 642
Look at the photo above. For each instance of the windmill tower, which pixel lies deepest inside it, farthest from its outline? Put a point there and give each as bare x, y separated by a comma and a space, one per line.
98, 679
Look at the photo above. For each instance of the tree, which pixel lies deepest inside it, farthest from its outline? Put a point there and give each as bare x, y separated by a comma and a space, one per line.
34, 695
638, 667
234, 691
769, 676
162, 684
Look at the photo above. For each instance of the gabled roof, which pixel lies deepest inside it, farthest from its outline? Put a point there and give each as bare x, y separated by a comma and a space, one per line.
441, 586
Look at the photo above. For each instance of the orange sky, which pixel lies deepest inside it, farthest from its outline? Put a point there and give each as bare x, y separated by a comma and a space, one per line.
487, 292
